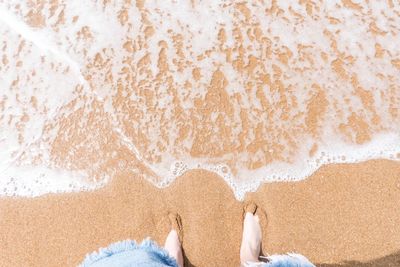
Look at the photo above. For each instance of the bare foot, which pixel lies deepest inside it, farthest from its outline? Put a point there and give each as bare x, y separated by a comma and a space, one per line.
251, 238
174, 239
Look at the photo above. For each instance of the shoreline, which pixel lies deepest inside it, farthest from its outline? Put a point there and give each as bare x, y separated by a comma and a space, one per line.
343, 212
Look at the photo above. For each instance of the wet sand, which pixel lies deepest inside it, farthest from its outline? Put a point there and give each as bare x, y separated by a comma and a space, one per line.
342, 213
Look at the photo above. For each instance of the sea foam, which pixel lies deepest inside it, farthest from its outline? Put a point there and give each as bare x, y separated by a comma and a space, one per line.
256, 92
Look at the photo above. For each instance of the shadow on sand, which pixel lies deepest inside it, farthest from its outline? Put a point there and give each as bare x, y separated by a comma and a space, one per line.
392, 260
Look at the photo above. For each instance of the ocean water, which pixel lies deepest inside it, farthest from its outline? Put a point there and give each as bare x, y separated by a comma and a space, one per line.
257, 91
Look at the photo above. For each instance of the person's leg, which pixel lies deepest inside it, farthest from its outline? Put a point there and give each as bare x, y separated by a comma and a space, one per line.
172, 243
251, 237
251, 244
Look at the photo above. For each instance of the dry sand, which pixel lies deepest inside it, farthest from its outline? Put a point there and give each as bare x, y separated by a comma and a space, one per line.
341, 213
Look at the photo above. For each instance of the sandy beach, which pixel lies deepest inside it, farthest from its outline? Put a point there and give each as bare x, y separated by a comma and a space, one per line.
345, 214
207, 99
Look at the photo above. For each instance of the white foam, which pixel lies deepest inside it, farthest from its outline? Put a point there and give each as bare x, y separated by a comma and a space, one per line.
38, 180
77, 91
296, 171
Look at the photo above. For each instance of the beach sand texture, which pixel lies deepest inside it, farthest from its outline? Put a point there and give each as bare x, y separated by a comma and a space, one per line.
342, 213
115, 112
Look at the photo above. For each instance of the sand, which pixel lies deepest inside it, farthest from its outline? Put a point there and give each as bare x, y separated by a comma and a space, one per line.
343, 213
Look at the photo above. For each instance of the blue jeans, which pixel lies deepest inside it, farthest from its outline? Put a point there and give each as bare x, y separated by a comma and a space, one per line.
128, 253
